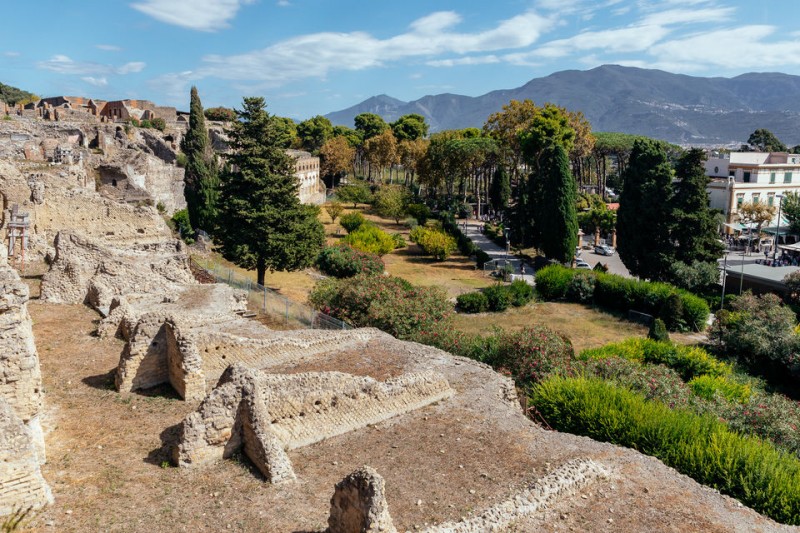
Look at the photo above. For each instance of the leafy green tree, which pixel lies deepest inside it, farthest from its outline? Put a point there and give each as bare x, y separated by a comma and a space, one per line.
334, 209
554, 207
262, 224
790, 205
410, 127
12, 95
369, 125
695, 227
314, 132
757, 213
391, 201
202, 172
500, 189
353, 137
381, 152
765, 141
220, 114
287, 131
355, 193
336, 157
643, 218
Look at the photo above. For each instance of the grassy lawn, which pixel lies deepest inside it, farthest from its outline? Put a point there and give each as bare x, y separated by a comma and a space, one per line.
586, 327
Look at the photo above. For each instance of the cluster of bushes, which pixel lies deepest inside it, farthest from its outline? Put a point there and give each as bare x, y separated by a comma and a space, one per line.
180, 223
496, 298
368, 238
699, 446
434, 242
157, 123
529, 355
389, 303
495, 234
678, 308
343, 261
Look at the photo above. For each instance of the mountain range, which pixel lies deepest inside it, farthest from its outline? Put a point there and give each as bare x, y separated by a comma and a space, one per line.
673, 107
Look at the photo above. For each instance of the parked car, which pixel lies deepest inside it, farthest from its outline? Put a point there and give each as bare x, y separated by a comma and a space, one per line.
603, 249
580, 263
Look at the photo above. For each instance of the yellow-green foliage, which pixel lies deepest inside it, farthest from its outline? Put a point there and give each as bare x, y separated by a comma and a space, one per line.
370, 239
699, 446
688, 361
708, 386
434, 242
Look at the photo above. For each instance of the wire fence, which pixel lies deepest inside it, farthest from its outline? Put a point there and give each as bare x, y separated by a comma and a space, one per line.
268, 302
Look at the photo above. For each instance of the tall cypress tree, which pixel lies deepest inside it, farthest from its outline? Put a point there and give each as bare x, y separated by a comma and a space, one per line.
694, 229
644, 215
554, 205
202, 176
262, 225
500, 189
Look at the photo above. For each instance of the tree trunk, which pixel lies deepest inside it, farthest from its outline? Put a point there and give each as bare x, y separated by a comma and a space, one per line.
261, 270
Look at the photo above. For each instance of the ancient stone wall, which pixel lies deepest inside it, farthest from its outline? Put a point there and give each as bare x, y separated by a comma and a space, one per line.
266, 414
84, 270
21, 481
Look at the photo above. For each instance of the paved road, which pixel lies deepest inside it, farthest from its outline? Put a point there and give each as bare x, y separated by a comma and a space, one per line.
473, 228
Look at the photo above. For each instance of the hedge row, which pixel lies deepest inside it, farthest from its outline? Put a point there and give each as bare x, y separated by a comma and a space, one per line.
678, 308
699, 446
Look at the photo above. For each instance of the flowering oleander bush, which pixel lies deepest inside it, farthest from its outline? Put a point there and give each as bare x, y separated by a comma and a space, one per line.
343, 261
769, 416
534, 353
581, 287
370, 239
385, 302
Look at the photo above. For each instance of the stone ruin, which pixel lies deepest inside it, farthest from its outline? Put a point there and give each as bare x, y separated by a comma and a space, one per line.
267, 414
359, 502
21, 397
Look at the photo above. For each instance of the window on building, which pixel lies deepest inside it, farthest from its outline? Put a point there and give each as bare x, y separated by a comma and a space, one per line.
771, 200
756, 198
747, 177
787, 177
772, 177
739, 200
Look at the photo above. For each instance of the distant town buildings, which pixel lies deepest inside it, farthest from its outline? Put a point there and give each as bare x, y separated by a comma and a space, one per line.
744, 177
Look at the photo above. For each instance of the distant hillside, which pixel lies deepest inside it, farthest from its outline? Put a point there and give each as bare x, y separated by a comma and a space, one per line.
12, 95
673, 107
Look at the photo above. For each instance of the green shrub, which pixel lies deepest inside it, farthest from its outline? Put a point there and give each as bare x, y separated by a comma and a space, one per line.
477, 347
533, 353
370, 239
472, 302
498, 298
389, 303
434, 242
553, 281
769, 416
658, 331
180, 220
708, 387
146, 124
159, 123
399, 241
688, 361
482, 258
352, 221
521, 293
672, 312
343, 261
581, 288
699, 446
695, 311
420, 212
654, 382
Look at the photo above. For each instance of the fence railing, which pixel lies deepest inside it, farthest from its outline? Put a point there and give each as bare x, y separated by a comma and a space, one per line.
268, 302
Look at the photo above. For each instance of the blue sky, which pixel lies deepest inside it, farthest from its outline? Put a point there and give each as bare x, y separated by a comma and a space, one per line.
309, 57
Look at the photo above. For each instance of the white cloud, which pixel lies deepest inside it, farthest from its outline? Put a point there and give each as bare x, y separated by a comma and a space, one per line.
62, 64
11, 54
108, 47
203, 15
317, 54
97, 82
283, 3
470, 60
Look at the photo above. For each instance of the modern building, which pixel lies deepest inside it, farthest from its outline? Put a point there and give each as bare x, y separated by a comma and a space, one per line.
306, 168
744, 177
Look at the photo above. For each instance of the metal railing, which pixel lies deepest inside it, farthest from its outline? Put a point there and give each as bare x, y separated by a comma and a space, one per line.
268, 302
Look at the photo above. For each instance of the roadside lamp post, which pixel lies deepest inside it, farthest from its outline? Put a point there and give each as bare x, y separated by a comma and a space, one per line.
507, 233
724, 277
778, 228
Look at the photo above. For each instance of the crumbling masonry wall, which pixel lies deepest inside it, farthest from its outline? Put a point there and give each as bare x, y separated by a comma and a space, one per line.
267, 414
21, 396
